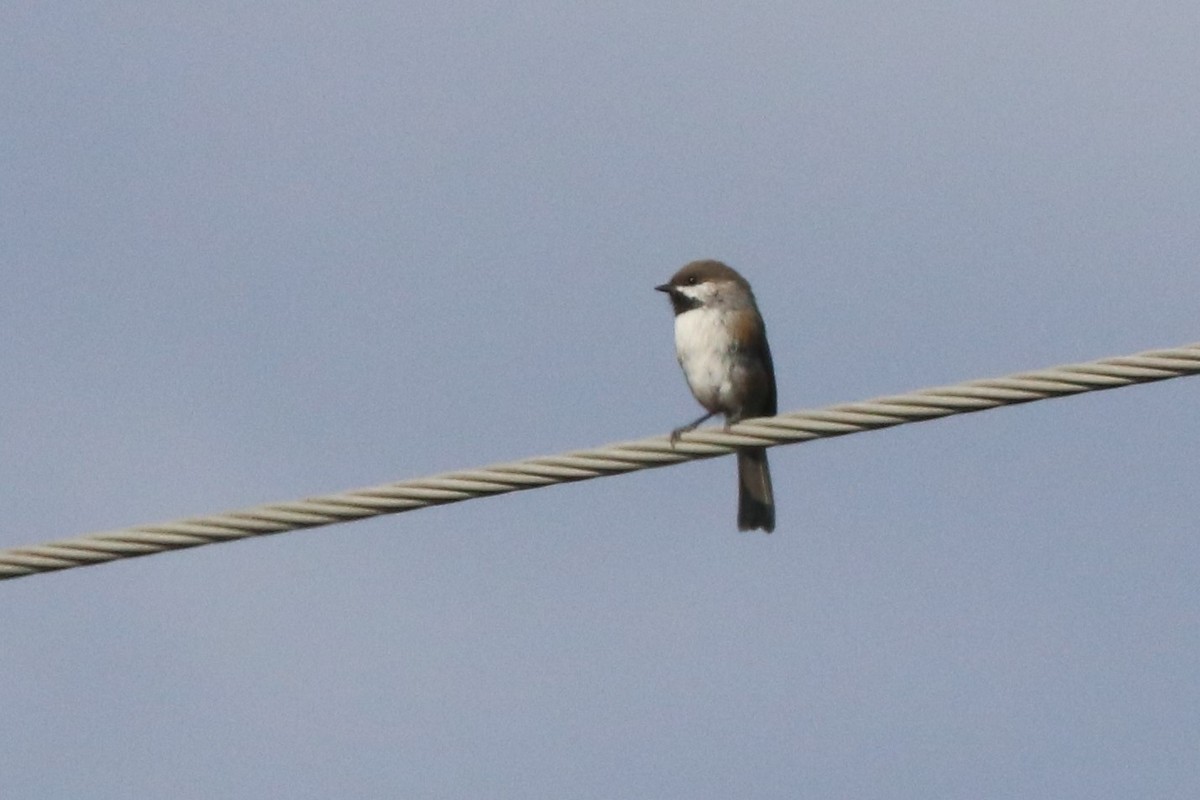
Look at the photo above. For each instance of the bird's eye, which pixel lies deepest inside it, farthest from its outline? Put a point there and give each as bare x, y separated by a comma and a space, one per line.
691, 281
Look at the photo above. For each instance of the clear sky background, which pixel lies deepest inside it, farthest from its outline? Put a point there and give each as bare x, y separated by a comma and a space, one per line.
256, 251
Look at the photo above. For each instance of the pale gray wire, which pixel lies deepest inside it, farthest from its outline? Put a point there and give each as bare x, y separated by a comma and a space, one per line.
799, 426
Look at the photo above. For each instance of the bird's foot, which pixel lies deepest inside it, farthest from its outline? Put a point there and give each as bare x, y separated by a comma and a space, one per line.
675, 434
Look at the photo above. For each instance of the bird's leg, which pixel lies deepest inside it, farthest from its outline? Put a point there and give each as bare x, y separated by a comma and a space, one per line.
691, 426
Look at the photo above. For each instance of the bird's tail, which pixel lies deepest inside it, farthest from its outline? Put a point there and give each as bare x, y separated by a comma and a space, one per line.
756, 500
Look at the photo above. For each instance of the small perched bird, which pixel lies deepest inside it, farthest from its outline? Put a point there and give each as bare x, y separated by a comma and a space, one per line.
721, 344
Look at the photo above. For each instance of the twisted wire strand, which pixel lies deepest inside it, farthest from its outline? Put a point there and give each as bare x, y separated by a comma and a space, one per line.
613, 459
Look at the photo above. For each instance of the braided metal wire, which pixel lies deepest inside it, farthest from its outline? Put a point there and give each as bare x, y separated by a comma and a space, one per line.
658, 451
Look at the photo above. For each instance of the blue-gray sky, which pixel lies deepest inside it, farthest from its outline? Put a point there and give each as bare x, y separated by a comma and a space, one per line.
256, 251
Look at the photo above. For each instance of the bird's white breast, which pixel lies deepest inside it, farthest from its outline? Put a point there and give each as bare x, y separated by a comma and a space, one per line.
705, 351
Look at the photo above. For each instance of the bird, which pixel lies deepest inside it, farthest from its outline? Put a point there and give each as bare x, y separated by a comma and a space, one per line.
721, 345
